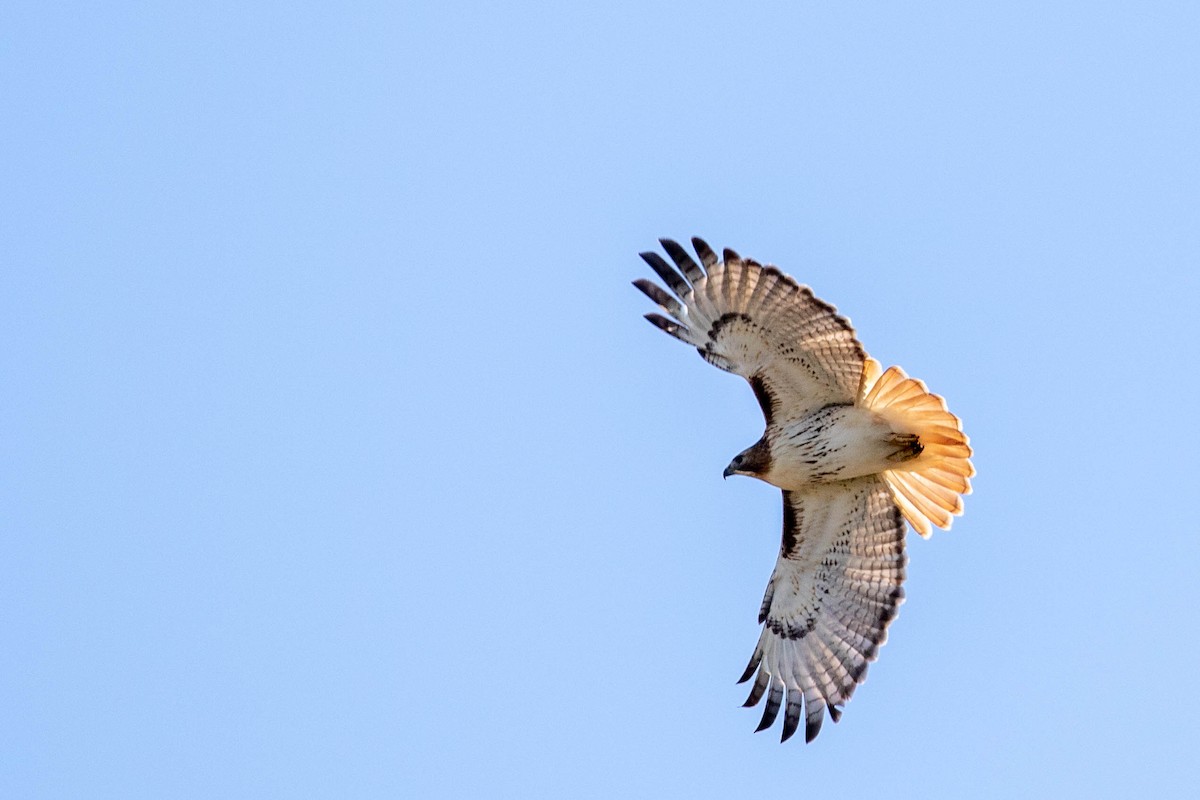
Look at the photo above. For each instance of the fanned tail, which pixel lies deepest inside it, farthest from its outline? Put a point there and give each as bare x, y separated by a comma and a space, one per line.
928, 488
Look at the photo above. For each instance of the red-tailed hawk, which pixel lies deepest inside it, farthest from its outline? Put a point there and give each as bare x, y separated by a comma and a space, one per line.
856, 450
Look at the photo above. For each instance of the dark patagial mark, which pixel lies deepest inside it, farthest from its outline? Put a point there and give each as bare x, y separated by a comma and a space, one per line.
764, 395
791, 526
682, 260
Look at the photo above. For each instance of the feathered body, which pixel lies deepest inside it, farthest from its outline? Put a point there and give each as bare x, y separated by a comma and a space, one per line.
855, 449
833, 443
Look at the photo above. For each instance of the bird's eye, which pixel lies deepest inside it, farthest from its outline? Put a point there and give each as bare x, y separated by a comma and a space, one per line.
739, 460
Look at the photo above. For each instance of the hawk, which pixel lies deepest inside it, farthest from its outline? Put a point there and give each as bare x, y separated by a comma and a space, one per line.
856, 449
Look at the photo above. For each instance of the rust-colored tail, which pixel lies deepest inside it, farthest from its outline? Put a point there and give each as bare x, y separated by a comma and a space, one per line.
929, 488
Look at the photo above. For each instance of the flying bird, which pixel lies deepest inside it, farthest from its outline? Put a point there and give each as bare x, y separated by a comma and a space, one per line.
856, 449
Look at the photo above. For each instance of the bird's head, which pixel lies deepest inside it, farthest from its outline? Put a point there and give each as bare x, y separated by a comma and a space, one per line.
754, 461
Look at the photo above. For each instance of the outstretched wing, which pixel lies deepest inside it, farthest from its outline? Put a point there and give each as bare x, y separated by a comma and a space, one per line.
835, 589
757, 322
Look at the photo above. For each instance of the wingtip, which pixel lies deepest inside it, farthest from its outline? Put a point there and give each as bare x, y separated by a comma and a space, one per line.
771, 709
791, 717
683, 261
811, 728
751, 667
707, 257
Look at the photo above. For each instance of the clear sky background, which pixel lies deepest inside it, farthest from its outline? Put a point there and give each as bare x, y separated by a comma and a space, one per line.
337, 460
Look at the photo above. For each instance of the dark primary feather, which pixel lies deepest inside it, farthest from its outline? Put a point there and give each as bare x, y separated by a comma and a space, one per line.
682, 260
707, 257
670, 277
667, 325
771, 710
753, 665
660, 296
831, 621
812, 726
757, 690
836, 584
791, 716
761, 324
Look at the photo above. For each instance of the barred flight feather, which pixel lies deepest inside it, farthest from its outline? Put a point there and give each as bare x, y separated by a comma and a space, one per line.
857, 450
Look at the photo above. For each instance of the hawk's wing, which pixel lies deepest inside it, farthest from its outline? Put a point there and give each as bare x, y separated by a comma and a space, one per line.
757, 322
835, 589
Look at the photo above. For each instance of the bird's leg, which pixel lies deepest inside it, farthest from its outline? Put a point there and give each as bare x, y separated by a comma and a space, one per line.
907, 446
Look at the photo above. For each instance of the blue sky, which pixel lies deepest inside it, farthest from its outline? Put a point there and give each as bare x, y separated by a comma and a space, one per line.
339, 462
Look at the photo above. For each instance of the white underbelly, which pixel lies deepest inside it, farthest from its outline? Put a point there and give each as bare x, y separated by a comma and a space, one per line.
834, 443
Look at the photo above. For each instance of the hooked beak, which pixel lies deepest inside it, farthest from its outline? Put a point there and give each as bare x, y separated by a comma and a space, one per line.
728, 471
